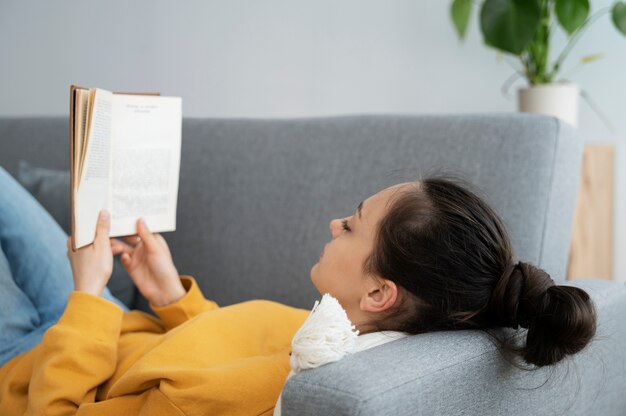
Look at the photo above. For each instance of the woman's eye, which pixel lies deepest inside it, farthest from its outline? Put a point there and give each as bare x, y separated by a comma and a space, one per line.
345, 226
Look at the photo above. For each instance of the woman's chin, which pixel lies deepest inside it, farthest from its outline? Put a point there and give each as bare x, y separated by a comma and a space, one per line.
314, 273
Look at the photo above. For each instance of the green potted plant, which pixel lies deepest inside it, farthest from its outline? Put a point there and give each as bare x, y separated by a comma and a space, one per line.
523, 29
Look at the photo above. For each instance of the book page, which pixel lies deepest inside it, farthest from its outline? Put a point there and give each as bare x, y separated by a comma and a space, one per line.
82, 141
80, 122
92, 190
145, 162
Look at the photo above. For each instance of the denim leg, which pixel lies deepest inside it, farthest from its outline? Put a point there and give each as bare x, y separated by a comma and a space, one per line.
35, 249
19, 319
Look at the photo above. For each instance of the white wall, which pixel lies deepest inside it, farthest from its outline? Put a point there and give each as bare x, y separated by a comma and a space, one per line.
285, 58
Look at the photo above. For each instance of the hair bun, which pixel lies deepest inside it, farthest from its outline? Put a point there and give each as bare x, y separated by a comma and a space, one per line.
519, 295
564, 326
561, 320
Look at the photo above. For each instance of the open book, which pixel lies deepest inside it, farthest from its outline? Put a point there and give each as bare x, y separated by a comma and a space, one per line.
125, 157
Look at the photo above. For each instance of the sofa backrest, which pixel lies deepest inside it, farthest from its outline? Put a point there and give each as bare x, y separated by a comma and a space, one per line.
256, 195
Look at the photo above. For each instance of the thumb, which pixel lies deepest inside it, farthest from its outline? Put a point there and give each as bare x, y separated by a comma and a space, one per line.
145, 234
104, 225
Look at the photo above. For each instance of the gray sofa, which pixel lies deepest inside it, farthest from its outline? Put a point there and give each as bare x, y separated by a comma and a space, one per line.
255, 199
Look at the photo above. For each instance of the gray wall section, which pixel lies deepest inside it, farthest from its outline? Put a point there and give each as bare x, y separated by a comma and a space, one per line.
284, 58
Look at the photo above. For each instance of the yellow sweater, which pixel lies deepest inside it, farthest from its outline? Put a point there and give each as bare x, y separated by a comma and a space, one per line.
197, 359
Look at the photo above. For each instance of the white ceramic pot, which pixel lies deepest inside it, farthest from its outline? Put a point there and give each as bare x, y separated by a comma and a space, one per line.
558, 99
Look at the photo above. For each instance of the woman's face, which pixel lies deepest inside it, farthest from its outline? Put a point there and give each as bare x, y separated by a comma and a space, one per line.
339, 270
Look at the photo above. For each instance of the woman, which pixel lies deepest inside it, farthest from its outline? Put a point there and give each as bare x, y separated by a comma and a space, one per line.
416, 257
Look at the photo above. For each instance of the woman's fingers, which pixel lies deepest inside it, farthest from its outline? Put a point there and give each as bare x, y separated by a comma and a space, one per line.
146, 236
125, 259
118, 246
132, 239
126, 251
103, 226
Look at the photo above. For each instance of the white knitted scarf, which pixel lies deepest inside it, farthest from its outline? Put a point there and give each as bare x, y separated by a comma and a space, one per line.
326, 336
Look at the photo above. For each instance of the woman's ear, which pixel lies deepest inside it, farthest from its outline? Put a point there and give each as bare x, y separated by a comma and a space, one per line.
381, 295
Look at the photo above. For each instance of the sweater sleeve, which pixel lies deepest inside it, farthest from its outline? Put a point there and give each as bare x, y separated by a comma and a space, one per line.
75, 356
190, 305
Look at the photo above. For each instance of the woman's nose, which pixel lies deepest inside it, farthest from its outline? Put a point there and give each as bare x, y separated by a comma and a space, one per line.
335, 227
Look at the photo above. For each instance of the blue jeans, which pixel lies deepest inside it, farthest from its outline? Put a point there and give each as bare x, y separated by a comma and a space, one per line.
35, 273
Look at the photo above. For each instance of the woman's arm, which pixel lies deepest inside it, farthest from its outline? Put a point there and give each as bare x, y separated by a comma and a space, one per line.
190, 305
92, 265
147, 259
79, 352
75, 356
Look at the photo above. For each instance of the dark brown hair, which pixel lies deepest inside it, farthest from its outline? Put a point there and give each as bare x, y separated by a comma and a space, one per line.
451, 257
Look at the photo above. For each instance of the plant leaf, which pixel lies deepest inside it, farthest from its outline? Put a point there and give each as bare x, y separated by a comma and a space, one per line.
571, 14
510, 25
460, 12
619, 16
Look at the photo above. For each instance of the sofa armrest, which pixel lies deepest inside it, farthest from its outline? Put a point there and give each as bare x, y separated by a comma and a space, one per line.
462, 372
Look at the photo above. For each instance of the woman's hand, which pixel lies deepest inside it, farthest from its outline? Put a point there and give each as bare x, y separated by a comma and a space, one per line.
92, 265
148, 261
